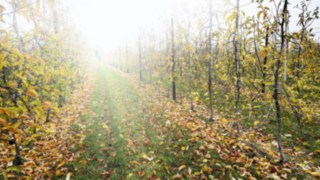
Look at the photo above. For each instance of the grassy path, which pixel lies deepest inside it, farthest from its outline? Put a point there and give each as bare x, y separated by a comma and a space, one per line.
95, 143
127, 122
120, 142
129, 136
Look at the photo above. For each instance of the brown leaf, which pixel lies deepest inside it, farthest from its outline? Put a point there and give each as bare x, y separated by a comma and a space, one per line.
106, 174
3, 122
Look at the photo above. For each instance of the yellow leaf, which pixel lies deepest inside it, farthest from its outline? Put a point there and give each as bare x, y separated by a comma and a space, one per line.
256, 123
59, 173
104, 126
15, 125
205, 168
23, 116
316, 174
129, 175
3, 90
197, 173
297, 148
32, 93
144, 156
309, 117
134, 163
60, 164
3, 122
47, 104
299, 83
17, 131
55, 110
5, 112
36, 125
83, 162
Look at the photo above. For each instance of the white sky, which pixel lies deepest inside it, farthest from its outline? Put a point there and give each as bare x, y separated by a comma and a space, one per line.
108, 24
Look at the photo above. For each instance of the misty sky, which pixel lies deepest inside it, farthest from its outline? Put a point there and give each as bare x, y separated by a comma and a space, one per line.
107, 24
110, 23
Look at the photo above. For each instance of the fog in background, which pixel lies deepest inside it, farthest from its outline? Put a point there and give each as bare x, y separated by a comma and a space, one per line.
108, 24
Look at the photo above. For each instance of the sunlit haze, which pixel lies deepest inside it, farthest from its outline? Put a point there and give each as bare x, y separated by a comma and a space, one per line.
159, 89
108, 23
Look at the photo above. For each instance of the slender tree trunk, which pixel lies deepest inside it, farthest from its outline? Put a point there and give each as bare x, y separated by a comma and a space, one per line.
140, 61
180, 79
299, 69
120, 60
276, 82
255, 27
189, 71
173, 75
17, 160
55, 18
286, 45
33, 17
16, 27
127, 58
265, 60
299, 65
210, 62
168, 64
237, 65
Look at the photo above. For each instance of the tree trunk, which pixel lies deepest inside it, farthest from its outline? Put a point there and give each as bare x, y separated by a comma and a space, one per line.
140, 61
237, 65
189, 73
265, 60
286, 50
210, 62
15, 26
127, 58
276, 83
48, 115
17, 158
173, 76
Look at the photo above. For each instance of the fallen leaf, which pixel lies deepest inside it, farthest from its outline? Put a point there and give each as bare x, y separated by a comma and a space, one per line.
182, 167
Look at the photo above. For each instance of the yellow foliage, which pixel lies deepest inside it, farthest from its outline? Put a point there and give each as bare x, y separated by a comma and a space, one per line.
32, 93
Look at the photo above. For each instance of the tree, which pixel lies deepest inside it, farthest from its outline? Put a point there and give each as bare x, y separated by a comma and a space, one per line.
140, 60
33, 78
173, 66
282, 22
210, 62
237, 62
